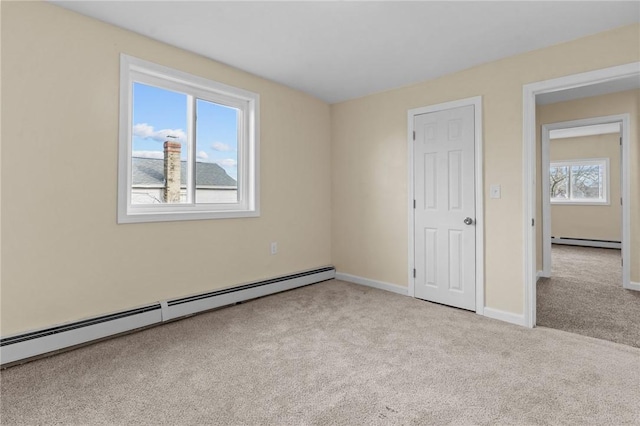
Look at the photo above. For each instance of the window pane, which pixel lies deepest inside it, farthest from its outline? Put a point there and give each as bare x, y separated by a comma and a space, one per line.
586, 182
159, 148
216, 153
558, 181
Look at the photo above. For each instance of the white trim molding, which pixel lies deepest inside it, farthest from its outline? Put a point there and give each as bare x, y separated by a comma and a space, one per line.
505, 316
633, 286
476, 102
380, 285
529, 163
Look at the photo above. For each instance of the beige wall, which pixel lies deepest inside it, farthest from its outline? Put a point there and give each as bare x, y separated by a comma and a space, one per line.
63, 256
627, 102
369, 161
598, 222
343, 169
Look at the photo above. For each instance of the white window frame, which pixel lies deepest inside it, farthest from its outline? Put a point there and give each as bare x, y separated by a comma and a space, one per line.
248, 205
602, 162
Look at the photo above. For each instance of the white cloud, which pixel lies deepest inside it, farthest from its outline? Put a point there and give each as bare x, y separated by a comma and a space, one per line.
227, 162
220, 146
148, 154
145, 131
202, 155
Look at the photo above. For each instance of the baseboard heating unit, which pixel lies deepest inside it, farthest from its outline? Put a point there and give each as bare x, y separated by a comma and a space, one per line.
37, 343
586, 242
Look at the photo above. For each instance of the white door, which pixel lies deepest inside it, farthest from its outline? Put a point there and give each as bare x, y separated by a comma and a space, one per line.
444, 214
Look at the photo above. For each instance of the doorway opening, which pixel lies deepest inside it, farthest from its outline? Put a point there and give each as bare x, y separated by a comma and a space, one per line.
580, 289
581, 185
583, 85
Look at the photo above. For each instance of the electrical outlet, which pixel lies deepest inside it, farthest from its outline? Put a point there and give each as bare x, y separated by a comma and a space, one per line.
274, 248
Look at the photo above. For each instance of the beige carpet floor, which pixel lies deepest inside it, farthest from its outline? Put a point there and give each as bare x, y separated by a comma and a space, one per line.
332, 353
585, 295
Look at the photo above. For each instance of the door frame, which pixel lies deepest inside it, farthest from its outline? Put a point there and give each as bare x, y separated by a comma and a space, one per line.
476, 102
529, 186
625, 181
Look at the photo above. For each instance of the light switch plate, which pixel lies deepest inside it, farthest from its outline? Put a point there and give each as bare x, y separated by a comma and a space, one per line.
494, 191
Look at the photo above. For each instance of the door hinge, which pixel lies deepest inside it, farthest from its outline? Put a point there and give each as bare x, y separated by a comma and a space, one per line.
620, 200
414, 273
414, 204
414, 135
620, 140
622, 262
533, 222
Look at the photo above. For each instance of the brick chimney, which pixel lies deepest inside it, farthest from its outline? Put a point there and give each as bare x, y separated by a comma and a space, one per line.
171, 189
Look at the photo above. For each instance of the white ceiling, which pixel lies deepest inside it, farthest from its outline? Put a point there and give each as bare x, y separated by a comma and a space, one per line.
343, 50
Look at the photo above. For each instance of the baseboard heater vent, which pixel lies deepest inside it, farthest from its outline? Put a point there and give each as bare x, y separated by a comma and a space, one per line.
76, 325
188, 305
37, 343
586, 242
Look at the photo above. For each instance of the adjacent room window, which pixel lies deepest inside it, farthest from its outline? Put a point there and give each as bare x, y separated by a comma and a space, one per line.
579, 181
188, 146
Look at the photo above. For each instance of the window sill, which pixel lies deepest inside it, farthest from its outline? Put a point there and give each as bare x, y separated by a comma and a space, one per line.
182, 216
580, 203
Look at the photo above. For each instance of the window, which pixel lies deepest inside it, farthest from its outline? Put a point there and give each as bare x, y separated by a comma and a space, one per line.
188, 146
579, 181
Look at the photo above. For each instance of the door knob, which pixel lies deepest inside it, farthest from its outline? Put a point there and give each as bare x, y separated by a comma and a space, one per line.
468, 221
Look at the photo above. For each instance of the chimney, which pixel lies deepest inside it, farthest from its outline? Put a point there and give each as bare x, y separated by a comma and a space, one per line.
171, 190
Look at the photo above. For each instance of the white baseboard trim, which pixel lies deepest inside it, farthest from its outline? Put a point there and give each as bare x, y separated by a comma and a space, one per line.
487, 312
372, 283
40, 342
542, 274
586, 243
497, 314
634, 286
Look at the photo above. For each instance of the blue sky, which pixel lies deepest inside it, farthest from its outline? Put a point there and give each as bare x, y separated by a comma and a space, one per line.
160, 113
